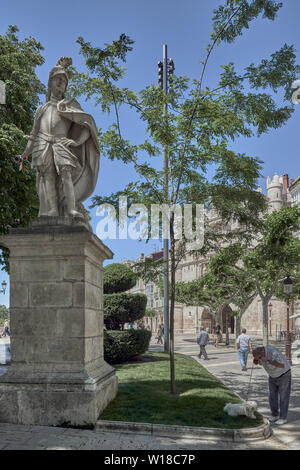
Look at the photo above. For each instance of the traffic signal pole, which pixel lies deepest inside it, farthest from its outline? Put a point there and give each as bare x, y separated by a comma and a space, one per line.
166, 192
165, 70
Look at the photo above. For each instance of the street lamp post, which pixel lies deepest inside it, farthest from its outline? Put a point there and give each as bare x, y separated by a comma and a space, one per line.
3, 284
288, 289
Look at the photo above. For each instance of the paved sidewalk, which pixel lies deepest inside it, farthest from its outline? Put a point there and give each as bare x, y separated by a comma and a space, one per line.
4, 350
25, 437
223, 363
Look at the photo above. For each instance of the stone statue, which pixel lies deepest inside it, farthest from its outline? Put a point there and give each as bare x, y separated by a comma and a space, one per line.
64, 148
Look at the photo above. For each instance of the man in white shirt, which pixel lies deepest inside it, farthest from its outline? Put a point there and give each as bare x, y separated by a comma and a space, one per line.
244, 346
279, 371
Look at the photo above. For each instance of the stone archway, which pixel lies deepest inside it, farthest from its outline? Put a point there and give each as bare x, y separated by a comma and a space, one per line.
207, 319
227, 322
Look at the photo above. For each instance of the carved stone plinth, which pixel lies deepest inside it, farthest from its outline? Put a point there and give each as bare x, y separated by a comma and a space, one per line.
58, 375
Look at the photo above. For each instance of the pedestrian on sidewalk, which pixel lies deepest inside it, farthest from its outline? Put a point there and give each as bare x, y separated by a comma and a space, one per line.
217, 333
6, 330
244, 346
280, 379
202, 340
160, 334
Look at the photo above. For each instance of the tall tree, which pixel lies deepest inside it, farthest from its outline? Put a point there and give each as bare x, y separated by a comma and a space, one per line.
274, 254
198, 129
221, 285
203, 292
18, 61
4, 314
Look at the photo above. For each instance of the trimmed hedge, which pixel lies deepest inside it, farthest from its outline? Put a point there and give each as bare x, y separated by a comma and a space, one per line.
123, 308
118, 278
119, 346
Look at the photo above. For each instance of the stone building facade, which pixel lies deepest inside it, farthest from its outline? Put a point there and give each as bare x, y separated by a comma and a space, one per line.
294, 193
188, 319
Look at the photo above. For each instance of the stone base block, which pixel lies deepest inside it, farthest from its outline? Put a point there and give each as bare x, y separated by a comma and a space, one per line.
56, 404
58, 375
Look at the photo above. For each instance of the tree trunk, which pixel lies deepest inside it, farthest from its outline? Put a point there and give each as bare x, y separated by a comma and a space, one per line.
265, 303
227, 336
218, 316
227, 329
172, 307
238, 325
240, 315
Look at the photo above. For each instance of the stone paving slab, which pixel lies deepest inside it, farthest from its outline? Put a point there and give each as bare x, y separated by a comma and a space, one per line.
19, 437
4, 353
25, 437
224, 364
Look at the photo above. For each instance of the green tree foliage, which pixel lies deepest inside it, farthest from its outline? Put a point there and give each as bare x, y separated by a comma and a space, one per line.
198, 130
118, 278
18, 61
120, 346
119, 308
218, 287
150, 312
239, 272
261, 265
123, 308
4, 314
204, 291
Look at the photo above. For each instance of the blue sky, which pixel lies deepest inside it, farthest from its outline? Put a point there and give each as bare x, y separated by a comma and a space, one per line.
185, 27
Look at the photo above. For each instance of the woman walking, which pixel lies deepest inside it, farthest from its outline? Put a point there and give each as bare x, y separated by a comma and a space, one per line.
160, 333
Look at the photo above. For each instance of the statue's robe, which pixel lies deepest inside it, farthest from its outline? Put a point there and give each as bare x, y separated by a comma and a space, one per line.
83, 159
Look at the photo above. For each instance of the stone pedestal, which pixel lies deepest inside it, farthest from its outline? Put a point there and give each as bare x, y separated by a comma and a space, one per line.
58, 375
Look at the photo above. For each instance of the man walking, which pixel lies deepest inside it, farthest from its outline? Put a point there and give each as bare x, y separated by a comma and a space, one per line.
279, 371
202, 340
243, 344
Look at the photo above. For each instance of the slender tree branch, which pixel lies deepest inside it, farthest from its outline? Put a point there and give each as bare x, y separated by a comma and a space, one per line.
120, 138
198, 90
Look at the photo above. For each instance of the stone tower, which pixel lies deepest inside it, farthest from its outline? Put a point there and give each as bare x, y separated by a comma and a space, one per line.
274, 193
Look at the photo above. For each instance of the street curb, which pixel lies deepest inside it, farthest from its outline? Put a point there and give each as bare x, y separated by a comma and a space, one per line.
166, 430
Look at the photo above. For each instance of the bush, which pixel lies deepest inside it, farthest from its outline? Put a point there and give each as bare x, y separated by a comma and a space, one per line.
4, 314
123, 308
119, 346
118, 278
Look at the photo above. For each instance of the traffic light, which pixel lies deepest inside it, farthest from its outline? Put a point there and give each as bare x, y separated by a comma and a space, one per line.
171, 72
160, 74
171, 67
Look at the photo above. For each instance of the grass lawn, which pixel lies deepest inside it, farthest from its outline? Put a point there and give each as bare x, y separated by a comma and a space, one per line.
144, 395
